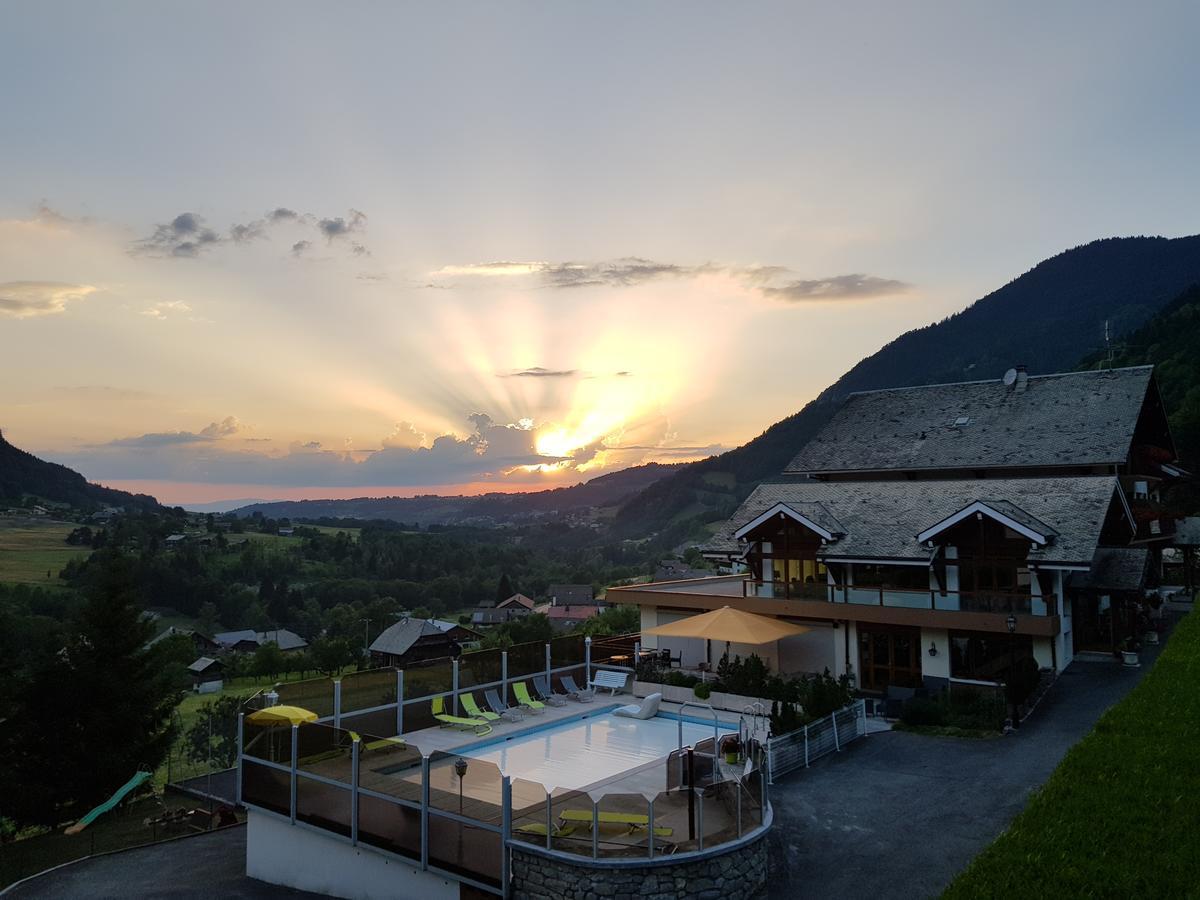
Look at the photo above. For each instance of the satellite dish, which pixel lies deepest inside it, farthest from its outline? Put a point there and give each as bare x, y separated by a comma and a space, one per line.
1010, 377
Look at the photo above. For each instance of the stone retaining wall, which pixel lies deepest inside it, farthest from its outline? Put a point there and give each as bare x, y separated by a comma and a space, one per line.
741, 872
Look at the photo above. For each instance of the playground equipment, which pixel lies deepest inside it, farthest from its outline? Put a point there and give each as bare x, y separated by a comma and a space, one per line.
108, 805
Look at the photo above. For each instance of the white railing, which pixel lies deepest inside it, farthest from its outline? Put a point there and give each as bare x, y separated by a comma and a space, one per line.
798, 749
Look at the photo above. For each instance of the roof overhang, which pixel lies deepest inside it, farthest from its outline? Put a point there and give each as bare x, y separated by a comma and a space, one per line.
981, 507
782, 509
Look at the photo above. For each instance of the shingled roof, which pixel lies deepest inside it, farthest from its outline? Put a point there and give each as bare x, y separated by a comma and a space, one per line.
398, 639
1073, 419
1115, 569
881, 519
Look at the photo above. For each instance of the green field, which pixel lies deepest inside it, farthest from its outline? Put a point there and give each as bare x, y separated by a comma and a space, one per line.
1118, 816
30, 548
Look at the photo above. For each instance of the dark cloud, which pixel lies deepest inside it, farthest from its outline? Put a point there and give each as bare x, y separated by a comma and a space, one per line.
282, 214
338, 227
214, 431
359, 250
184, 236
539, 372
616, 273
300, 247
838, 287
251, 231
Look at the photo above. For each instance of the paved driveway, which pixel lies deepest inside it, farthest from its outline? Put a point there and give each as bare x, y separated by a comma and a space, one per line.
899, 814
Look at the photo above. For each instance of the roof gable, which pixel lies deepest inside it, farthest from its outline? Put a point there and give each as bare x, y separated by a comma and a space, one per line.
1005, 512
812, 516
1072, 419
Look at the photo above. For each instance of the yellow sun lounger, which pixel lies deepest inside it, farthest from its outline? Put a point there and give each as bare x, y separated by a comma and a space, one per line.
480, 726
538, 829
634, 821
521, 692
468, 703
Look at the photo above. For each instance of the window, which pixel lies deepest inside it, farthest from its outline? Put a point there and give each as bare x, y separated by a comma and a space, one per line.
899, 578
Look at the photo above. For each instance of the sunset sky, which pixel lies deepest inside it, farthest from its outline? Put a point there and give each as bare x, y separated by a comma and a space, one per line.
299, 250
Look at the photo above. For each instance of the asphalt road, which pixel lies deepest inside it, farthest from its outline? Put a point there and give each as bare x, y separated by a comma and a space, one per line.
899, 814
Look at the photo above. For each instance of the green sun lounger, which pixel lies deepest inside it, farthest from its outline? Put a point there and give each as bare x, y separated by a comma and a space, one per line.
480, 726
473, 710
521, 692
538, 829
633, 821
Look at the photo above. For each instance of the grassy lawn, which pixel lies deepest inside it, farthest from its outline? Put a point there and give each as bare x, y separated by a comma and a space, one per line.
1118, 818
30, 548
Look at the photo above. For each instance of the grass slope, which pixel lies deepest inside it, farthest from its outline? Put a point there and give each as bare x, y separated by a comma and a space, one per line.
30, 549
1119, 816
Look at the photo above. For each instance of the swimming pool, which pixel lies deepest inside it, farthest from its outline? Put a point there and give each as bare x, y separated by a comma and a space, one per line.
583, 752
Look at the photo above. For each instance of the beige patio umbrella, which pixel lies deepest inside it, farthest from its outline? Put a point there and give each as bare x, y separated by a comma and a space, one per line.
733, 626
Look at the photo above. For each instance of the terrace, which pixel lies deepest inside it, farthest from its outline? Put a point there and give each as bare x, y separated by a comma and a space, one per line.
568, 785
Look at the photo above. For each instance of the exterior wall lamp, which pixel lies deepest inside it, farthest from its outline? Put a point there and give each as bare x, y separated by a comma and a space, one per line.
932, 649
1011, 622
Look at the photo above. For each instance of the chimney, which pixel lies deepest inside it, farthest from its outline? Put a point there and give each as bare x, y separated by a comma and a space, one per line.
1022, 378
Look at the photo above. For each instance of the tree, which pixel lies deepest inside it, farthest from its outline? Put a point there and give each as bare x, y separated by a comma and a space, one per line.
504, 590
269, 661
90, 716
331, 655
614, 620
206, 618
214, 733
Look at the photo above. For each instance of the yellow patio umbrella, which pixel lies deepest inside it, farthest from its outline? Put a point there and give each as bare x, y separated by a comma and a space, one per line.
733, 626
282, 715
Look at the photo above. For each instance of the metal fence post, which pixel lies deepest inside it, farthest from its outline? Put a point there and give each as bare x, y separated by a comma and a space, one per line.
505, 830
399, 701
424, 813
549, 819
699, 819
337, 704
837, 744
504, 675
549, 678
595, 830
295, 751
454, 669
587, 659
354, 751
806, 746
241, 749
650, 826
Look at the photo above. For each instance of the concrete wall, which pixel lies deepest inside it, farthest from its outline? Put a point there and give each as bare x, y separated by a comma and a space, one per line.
281, 853
740, 873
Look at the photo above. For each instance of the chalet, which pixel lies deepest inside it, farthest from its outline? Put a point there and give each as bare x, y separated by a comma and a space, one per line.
505, 611
570, 593
414, 640
247, 641
208, 675
566, 616
203, 643
948, 532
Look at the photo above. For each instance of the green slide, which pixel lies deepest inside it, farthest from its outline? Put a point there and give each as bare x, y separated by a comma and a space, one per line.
136, 781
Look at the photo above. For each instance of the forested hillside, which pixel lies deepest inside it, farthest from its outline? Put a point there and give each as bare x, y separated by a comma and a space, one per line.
23, 474
1170, 341
1048, 319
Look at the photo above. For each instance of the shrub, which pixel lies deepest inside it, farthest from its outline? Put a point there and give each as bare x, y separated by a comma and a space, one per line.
924, 711
702, 691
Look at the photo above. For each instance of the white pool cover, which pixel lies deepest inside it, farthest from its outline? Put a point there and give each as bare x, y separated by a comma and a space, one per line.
581, 753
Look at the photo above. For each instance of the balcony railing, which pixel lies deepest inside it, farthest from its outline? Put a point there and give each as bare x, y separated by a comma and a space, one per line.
1002, 602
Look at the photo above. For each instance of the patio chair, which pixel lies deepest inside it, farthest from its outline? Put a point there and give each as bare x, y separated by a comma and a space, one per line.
445, 720
468, 703
499, 707
521, 692
666, 659
647, 709
545, 694
632, 821
575, 692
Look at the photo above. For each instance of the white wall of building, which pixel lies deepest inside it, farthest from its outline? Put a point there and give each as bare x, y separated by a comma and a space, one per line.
280, 853
935, 666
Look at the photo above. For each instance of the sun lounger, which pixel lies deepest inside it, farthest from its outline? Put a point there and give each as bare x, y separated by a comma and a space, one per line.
574, 692
546, 694
647, 709
468, 703
499, 707
632, 821
608, 680
521, 692
479, 726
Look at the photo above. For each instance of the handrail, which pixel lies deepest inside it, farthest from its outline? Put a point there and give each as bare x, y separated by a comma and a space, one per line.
716, 723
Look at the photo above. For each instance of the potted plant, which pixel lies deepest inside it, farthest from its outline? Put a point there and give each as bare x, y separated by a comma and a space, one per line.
1129, 654
702, 691
732, 748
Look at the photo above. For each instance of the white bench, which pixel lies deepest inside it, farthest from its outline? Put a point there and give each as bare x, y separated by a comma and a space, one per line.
610, 681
